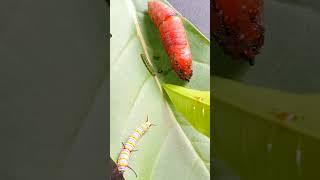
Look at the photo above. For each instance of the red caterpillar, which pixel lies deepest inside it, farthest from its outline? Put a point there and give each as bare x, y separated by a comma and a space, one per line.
237, 27
173, 37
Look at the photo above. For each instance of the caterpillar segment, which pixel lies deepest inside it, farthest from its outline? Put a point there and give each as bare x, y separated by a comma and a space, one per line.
173, 38
129, 146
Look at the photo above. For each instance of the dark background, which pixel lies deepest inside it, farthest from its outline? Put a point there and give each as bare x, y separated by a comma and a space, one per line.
52, 95
198, 12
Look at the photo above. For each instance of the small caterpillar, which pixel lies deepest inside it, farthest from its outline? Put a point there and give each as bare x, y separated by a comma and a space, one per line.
173, 37
129, 146
147, 64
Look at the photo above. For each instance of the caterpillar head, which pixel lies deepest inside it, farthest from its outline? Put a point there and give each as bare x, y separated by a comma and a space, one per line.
182, 62
146, 125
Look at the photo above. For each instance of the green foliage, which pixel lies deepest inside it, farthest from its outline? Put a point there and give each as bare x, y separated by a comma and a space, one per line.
173, 149
193, 104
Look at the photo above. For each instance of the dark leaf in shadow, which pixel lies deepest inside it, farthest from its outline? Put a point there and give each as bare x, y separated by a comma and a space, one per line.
115, 174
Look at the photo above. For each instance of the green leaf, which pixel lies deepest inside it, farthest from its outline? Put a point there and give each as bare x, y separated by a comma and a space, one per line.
193, 104
270, 134
173, 149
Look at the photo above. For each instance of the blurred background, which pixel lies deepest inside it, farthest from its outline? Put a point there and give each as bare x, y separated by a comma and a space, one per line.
284, 79
53, 107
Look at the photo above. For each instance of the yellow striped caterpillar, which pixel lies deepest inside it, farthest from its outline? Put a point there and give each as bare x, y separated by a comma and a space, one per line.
128, 147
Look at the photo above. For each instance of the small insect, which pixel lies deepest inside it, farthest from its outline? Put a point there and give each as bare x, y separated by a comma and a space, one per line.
129, 146
173, 37
198, 98
147, 64
286, 116
160, 71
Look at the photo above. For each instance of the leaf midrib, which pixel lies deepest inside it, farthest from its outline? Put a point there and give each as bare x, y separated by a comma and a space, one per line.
140, 37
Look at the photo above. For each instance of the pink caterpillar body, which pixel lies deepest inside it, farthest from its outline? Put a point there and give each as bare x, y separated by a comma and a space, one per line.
173, 37
130, 145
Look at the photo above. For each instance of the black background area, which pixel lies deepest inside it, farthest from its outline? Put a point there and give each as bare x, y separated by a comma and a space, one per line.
53, 78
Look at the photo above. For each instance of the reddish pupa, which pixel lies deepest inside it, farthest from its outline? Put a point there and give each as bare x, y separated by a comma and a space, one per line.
173, 37
238, 27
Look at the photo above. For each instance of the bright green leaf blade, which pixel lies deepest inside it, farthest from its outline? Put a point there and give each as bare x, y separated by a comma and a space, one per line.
173, 147
200, 142
193, 104
261, 144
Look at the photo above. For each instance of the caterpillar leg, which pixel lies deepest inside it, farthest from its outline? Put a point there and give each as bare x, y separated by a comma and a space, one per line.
124, 147
133, 171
